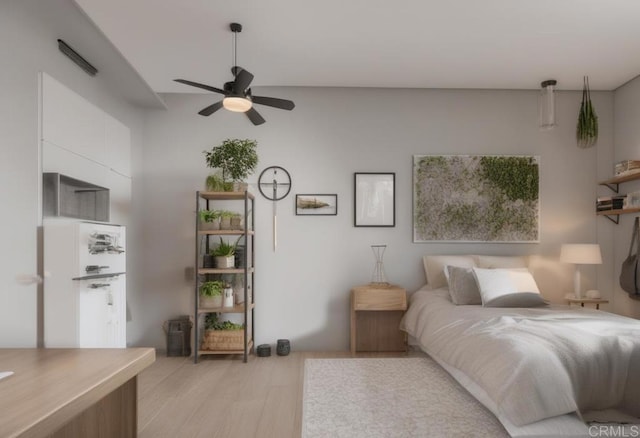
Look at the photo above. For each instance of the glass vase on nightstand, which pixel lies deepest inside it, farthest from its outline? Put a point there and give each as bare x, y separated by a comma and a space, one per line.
378, 278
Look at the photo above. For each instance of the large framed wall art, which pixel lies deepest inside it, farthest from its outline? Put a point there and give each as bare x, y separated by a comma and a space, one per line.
476, 198
374, 199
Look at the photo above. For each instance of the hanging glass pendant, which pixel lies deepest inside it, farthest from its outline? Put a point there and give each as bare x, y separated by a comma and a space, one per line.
547, 105
379, 278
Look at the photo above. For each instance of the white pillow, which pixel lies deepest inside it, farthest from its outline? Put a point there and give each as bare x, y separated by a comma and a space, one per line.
501, 262
507, 288
463, 287
434, 267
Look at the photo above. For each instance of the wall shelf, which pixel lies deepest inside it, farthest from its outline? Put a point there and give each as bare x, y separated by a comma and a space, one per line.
609, 213
614, 185
617, 180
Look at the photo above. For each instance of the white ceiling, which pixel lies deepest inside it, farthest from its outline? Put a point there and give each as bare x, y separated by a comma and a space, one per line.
502, 44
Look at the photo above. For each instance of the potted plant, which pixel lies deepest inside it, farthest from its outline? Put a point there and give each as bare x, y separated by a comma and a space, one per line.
225, 219
236, 158
211, 294
236, 221
214, 183
222, 335
209, 219
224, 254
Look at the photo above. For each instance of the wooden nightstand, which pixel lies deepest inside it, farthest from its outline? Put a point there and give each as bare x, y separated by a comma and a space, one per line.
376, 312
583, 301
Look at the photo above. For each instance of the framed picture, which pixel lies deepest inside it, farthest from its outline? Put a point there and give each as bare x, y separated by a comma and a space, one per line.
317, 205
374, 199
476, 198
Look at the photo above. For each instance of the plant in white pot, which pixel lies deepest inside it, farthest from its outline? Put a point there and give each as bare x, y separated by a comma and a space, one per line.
224, 254
211, 294
236, 158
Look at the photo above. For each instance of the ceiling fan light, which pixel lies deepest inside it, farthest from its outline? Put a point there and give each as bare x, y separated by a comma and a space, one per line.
237, 104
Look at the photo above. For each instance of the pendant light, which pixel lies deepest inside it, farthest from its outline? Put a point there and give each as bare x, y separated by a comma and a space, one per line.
547, 105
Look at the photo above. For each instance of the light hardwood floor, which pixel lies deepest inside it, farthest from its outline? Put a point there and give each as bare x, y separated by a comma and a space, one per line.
223, 397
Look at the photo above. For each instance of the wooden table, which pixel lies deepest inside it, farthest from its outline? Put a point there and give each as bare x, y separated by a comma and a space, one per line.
71, 392
376, 311
583, 301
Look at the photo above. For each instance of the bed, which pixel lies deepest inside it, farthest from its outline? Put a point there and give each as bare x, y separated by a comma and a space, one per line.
541, 369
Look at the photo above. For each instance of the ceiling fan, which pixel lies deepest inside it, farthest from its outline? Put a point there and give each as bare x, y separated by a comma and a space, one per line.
237, 94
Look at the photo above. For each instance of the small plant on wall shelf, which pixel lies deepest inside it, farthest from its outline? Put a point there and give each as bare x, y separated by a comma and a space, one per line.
236, 158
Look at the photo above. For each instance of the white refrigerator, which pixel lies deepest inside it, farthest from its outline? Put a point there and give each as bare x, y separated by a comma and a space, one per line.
84, 284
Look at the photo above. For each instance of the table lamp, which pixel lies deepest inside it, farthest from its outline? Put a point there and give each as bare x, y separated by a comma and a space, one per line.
580, 254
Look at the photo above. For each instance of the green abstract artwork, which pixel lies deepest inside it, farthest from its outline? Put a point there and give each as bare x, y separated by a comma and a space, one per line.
475, 198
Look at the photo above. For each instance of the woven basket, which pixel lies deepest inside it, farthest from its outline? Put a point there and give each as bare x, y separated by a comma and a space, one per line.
223, 340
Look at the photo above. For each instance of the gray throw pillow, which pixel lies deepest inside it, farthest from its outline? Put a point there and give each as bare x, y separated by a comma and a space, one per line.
463, 287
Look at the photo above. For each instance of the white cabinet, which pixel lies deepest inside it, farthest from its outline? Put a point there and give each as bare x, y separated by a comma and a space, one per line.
85, 286
59, 160
72, 122
81, 141
117, 146
120, 197
101, 310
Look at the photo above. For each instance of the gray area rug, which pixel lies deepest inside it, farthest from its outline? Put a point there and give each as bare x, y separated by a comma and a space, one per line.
389, 397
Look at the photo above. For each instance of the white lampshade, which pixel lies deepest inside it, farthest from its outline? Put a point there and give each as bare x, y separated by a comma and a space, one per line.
581, 253
237, 104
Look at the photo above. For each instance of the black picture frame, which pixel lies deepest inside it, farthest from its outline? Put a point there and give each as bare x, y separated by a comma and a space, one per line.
311, 204
374, 199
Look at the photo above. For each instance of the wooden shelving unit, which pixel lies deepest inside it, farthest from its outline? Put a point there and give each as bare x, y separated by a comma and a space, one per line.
207, 200
614, 185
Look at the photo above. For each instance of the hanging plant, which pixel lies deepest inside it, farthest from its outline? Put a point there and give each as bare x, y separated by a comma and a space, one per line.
587, 129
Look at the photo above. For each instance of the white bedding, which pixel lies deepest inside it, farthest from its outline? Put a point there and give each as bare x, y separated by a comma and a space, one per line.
533, 363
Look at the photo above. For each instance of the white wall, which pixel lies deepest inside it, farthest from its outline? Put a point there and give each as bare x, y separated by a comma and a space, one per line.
302, 290
627, 146
28, 33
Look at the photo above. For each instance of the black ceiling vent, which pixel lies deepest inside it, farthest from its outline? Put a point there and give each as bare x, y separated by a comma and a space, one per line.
75, 57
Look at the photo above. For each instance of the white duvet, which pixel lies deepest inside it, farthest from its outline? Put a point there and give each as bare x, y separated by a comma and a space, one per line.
534, 363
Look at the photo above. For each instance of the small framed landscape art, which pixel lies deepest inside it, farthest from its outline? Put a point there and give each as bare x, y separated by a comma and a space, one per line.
317, 205
374, 199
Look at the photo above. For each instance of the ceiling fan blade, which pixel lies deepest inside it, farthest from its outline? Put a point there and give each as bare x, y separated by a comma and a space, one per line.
274, 102
203, 86
210, 109
255, 117
242, 82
